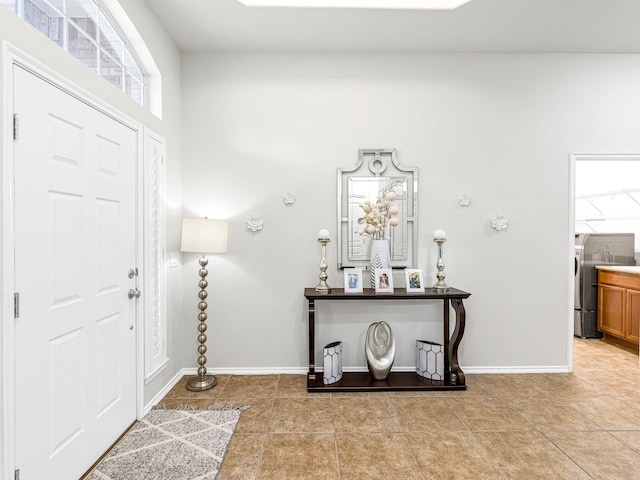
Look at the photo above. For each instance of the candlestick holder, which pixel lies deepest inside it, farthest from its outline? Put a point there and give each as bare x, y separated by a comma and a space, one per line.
323, 286
440, 284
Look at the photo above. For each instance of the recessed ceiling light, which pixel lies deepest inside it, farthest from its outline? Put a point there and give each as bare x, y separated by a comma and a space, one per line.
388, 4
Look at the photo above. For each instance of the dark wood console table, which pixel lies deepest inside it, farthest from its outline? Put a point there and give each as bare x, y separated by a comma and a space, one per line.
363, 381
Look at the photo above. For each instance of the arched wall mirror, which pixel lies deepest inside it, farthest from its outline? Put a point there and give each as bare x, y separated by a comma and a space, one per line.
376, 173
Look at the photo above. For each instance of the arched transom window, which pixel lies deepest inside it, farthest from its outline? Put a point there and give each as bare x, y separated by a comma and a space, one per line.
83, 28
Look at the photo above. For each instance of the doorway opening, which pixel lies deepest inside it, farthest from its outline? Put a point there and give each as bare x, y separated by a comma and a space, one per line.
605, 196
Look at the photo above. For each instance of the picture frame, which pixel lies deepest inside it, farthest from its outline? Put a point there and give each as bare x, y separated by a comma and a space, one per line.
414, 280
384, 280
352, 280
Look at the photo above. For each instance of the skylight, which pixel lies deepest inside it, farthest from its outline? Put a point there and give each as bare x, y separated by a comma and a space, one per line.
364, 4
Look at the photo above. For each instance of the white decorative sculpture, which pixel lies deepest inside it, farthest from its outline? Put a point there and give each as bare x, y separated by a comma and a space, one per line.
499, 222
380, 349
255, 224
289, 199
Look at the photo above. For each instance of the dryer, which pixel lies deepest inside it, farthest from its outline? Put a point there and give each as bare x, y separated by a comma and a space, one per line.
593, 249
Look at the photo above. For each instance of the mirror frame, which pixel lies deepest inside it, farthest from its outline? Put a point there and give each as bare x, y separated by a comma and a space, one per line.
377, 162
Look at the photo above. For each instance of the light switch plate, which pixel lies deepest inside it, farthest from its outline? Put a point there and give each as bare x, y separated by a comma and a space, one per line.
174, 259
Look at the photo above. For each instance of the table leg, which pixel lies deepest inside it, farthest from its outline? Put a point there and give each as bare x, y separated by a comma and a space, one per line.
445, 327
312, 355
457, 338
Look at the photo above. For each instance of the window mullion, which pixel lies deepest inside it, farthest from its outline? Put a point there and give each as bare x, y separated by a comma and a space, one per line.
123, 54
65, 33
125, 69
99, 61
99, 40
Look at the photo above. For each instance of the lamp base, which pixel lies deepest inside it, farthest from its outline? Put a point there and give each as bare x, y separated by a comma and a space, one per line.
196, 384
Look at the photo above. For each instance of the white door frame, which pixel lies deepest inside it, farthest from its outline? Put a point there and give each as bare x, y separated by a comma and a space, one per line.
571, 252
10, 55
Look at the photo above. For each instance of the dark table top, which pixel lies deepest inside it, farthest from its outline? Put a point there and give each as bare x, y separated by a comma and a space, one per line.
398, 293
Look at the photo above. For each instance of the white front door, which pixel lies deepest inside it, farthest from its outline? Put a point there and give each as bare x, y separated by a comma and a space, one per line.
74, 244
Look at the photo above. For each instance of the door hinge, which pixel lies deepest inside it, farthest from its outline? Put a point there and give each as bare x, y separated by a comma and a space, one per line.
16, 126
16, 305
17, 474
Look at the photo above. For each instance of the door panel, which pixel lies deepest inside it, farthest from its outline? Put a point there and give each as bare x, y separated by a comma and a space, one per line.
611, 309
65, 240
75, 241
633, 316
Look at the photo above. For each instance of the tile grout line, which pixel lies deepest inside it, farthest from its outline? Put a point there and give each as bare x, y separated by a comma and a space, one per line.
567, 455
335, 436
266, 430
403, 431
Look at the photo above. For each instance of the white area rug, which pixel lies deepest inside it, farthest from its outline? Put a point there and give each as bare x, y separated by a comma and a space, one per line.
172, 444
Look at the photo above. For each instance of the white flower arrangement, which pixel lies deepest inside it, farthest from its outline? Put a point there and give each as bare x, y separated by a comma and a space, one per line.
378, 216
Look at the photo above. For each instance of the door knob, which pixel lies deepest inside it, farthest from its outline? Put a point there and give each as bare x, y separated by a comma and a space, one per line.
134, 293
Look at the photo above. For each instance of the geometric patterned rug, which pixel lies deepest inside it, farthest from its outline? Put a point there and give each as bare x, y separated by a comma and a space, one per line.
172, 444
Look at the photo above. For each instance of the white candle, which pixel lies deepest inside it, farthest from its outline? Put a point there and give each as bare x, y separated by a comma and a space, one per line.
439, 235
323, 234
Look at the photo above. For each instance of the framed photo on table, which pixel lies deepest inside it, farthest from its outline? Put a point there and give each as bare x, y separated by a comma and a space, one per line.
352, 280
384, 280
413, 280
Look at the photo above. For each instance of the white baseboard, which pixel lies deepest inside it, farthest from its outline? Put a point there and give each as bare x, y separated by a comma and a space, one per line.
521, 370
363, 368
161, 394
252, 371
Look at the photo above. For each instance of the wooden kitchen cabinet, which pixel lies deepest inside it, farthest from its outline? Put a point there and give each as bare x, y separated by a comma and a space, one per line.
619, 306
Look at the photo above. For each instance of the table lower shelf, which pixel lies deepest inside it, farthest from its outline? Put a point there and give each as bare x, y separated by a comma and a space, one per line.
364, 382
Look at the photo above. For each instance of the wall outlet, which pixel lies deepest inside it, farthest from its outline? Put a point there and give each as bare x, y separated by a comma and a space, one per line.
174, 259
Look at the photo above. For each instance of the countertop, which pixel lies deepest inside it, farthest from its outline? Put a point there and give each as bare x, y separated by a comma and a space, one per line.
633, 270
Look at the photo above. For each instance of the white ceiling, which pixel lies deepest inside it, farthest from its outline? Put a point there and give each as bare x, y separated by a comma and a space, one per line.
548, 26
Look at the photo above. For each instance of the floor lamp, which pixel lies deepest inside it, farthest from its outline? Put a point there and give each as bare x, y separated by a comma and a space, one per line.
201, 235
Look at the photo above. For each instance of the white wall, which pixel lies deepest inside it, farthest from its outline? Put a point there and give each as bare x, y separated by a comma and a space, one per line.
168, 60
167, 57
499, 128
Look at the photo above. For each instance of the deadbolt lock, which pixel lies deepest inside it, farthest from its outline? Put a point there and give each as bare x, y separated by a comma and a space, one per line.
134, 293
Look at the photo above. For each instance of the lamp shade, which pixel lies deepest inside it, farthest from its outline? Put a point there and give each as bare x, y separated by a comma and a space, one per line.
202, 235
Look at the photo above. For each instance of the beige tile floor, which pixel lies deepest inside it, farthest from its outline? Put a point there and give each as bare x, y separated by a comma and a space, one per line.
584, 425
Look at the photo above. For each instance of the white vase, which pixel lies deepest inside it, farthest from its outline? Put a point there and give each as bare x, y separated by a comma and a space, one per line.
380, 258
332, 363
430, 359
